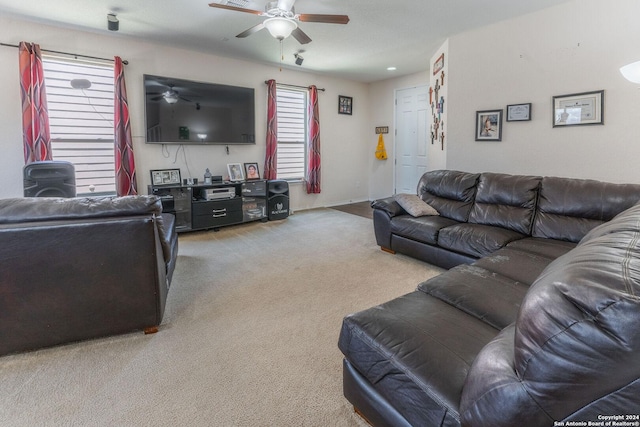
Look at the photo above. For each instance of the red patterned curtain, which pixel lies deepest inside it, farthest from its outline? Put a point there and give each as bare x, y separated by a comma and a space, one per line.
35, 117
313, 148
271, 157
124, 162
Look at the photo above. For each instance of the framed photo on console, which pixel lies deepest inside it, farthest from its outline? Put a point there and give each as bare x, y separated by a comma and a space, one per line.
251, 171
165, 177
235, 172
489, 125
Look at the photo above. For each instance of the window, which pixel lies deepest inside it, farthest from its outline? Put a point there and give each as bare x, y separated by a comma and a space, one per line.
80, 103
292, 133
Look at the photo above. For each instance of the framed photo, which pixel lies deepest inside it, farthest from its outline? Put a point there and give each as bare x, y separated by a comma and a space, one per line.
438, 65
489, 125
345, 104
235, 172
165, 177
251, 171
518, 112
579, 109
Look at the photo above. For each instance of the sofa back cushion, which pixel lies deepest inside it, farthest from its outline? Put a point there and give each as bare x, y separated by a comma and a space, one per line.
450, 192
32, 209
573, 352
569, 208
506, 201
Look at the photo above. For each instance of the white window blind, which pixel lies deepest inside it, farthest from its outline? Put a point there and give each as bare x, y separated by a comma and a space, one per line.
81, 121
292, 133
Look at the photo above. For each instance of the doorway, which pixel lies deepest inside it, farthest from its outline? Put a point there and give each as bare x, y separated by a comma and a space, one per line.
412, 128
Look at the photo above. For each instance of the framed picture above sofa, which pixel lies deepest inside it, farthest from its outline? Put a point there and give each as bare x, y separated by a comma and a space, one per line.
489, 125
578, 109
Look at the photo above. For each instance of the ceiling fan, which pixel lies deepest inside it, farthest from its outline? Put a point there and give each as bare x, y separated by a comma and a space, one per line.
281, 20
171, 95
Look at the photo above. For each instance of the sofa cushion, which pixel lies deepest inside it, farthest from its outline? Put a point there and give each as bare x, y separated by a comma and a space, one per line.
575, 343
423, 229
476, 239
506, 201
414, 205
492, 288
548, 248
569, 208
403, 346
450, 192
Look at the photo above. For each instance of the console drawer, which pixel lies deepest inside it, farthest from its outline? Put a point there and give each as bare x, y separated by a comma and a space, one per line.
216, 213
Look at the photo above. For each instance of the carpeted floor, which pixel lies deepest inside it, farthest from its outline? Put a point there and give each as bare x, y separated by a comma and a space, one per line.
249, 336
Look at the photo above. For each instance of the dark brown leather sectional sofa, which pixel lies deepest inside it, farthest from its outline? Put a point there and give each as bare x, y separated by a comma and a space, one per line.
74, 269
536, 321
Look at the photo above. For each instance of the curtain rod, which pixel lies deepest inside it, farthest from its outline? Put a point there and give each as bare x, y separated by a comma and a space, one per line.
125, 62
300, 87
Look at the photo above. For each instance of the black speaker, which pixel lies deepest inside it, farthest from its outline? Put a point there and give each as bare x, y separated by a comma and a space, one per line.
50, 178
277, 199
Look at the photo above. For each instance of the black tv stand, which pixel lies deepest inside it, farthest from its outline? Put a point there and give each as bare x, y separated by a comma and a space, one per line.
211, 206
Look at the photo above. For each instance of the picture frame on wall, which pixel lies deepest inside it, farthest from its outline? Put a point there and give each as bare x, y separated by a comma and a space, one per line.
438, 65
235, 172
578, 109
519, 112
345, 104
489, 125
165, 177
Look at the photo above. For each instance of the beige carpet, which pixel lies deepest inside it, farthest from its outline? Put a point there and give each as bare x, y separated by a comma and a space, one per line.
249, 336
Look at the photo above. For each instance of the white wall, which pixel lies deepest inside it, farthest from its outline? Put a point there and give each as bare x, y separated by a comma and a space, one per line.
382, 98
344, 146
571, 48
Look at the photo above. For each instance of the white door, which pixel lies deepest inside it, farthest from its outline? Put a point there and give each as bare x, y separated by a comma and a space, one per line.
412, 127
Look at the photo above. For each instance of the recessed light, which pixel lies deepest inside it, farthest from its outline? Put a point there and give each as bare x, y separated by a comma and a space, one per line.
391, 68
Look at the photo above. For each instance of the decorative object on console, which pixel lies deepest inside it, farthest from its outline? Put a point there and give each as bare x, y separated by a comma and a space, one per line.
489, 125
345, 104
252, 171
207, 176
579, 109
235, 172
165, 177
519, 112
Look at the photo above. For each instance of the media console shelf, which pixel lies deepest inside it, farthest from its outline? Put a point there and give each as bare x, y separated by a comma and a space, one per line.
211, 206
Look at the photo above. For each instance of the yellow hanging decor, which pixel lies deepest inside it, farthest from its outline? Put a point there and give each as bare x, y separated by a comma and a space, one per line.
381, 152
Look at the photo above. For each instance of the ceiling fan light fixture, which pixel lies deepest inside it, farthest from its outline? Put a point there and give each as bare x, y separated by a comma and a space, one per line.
170, 96
280, 28
631, 72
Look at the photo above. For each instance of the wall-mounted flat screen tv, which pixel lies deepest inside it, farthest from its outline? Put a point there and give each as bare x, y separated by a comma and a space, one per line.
186, 112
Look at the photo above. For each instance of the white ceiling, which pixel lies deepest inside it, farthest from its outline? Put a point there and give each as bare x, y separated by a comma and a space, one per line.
400, 33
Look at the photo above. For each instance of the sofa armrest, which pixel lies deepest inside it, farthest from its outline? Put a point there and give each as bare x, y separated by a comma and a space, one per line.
388, 205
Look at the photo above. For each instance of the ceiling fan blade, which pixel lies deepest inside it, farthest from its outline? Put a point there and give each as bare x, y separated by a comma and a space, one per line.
237, 9
250, 31
300, 35
327, 19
